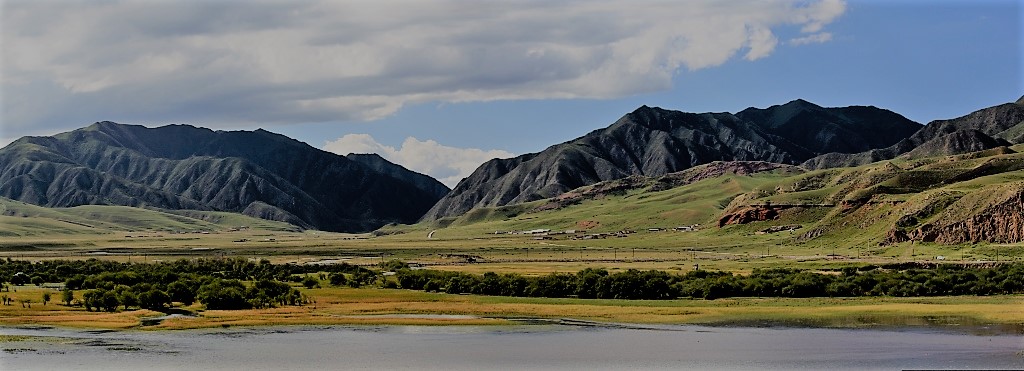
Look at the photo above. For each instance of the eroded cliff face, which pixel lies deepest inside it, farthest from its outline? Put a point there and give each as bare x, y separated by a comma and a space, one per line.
993, 215
748, 214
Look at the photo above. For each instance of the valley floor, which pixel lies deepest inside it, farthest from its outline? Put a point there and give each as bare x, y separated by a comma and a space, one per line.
735, 249
368, 306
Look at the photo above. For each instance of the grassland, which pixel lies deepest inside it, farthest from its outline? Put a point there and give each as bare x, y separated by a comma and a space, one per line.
365, 306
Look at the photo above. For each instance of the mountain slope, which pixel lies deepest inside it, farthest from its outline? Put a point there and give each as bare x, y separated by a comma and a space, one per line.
257, 173
843, 129
379, 164
654, 141
947, 200
987, 128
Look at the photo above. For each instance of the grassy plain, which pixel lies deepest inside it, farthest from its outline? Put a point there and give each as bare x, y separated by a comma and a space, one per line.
368, 306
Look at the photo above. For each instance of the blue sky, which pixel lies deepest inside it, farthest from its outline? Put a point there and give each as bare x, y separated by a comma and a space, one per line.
440, 92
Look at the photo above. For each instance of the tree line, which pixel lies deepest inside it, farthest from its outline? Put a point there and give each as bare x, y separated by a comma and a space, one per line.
217, 284
598, 283
241, 283
234, 268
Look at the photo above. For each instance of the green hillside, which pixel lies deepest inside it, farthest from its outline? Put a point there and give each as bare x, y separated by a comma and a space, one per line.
882, 208
23, 219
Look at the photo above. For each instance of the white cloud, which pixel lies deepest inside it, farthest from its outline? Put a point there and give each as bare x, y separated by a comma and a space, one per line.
817, 38
446, 164
230, 62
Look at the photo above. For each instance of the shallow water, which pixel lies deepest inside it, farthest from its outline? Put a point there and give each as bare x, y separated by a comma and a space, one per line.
519, 347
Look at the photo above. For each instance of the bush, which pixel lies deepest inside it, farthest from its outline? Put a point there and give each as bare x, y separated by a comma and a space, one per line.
310, 282
338, 279
393, 265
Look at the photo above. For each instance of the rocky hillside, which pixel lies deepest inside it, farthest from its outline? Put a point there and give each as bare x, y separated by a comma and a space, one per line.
654, 142
968, 198
987, 128
256, 173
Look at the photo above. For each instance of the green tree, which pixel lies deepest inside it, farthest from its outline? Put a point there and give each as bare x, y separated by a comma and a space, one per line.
91, 300
126, 296
181, 291
109, 302
223, 294
67, 296
310, 282
75, 282
154, 299
19, 278
338, 279
46, 297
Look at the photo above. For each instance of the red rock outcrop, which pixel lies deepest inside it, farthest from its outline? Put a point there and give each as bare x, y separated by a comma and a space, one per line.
1000, 219
748, 214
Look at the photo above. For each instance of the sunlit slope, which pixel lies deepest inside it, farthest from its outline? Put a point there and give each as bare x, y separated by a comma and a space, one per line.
963, 199
23, 219
632, 203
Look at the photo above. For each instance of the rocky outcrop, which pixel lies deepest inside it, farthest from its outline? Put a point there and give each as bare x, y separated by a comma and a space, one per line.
994, 214
749, 214
780, 228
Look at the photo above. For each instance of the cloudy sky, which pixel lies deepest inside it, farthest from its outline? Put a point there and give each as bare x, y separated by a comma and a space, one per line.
441, 86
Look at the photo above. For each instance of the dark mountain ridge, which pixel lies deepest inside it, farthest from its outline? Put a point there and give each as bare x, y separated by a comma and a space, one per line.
654, 141
257, 173
380, 165
987, 128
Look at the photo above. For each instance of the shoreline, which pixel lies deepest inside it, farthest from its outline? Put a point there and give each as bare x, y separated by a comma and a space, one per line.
951, 325
963, 329
395, 307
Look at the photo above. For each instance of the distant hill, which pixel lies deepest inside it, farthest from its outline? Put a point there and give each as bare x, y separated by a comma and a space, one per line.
181, 167
22, 219
654, 141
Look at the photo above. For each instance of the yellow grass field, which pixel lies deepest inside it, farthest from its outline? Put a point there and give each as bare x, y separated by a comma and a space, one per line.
367, 306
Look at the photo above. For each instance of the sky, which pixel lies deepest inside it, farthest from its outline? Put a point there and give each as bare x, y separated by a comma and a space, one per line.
441, 86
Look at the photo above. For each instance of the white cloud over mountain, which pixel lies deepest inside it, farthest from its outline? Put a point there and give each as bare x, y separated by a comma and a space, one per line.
446, 164
226, 62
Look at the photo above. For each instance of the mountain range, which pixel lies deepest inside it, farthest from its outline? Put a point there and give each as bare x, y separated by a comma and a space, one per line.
270, 176
256, 173
654, 141
987, 128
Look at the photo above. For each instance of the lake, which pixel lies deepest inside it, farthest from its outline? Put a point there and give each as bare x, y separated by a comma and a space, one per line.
549, 346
